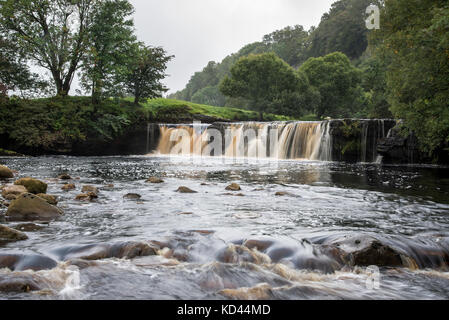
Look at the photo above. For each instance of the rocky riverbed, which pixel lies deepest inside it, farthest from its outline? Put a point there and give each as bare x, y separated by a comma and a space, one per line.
158, 228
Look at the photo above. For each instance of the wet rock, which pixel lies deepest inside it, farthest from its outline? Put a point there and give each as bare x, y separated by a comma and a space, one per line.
32, 185
18, 284
123, 250
86, 196
68, 187
90, 189
155, 180
260, 292
367, 251
6, 173
260, 245
12, 190
10, 197
49, 198
282, 194
30, 207
19, 262
185, 213
64, 176
233, 187
8, 234
132, 196
82, 264
185, 190
28, 227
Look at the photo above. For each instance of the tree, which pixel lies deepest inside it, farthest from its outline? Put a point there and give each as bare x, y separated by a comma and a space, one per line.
209, 95
268, 82
342, 29
111, 43
414, 40
15, 74
338, 84
52, 33
145, 72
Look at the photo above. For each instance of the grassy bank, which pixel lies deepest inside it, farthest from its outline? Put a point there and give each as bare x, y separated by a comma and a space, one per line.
168, 110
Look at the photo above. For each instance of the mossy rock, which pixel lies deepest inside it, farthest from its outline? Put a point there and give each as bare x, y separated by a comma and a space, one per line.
6, 173
8, 234
49, 198
32, 185
28, 207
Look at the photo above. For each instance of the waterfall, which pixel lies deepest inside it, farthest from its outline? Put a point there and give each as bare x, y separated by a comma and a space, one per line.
279, 140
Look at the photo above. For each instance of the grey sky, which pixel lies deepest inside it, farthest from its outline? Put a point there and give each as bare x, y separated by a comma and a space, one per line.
199, 31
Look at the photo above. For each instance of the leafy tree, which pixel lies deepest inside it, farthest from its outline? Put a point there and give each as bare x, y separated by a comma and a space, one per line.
414, 40
111, 43
338, 84
15, 74
342, 29
290, 44
145, 72
268, 82
54, 34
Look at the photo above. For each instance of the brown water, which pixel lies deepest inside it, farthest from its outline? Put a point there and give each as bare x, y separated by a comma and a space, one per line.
202, 239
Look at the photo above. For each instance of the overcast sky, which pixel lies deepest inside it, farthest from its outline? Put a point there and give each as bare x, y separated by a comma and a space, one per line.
199, 31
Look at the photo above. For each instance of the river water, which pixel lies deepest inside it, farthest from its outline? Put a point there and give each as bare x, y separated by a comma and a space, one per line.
202, 237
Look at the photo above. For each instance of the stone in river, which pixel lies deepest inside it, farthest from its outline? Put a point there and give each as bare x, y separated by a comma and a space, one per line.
185, 190
32, 185
49, 198
65, 176
8, 234
6, 173
68, 187
14, 190
87, 189
155, 180
30, 207
132, 196
233, 187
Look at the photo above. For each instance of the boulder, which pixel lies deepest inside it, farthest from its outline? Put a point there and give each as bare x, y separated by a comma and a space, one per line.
6, 173
8, 234
89, 189
233, 187
28, 207
365, 250
68, 187
13, 190
155, 180
32, 185
185, 190
282, 194
49, 198
23, 283
132, 196
64, 176
86, 196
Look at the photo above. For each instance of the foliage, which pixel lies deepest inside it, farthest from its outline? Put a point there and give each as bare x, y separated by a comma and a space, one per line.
54, 34
337, 82
145, 72
48, 123
414, 41
111, 40
269, 83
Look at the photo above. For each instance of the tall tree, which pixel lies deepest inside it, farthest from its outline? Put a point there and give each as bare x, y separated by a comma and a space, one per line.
414, 40
145, 73
268, 82
54, 34
110, 46
338, 83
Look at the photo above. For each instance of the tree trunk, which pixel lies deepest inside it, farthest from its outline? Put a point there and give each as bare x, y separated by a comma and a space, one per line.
261, 116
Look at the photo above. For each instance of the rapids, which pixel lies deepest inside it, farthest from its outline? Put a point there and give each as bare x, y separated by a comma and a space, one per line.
253, 244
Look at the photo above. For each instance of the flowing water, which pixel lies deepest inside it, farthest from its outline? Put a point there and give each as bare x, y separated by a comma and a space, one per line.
216, 244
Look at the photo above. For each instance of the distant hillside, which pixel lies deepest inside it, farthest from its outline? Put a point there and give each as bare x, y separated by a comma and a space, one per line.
341, 29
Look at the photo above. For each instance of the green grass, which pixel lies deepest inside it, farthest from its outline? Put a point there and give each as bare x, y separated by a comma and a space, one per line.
170, 110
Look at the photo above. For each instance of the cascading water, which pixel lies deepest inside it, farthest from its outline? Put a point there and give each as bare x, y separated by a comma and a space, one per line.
280, 140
